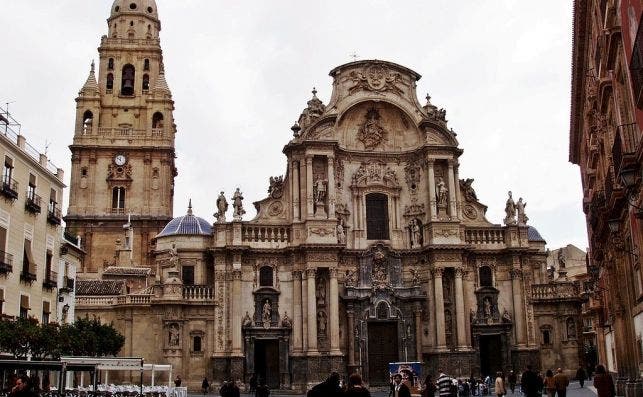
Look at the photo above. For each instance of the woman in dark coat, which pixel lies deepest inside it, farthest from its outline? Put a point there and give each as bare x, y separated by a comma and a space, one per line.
603, 383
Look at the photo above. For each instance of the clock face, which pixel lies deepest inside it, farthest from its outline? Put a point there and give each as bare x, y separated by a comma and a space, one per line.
120, 159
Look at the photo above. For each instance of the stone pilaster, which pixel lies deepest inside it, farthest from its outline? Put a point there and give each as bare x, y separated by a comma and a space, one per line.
430, 303
430, 175
297, 345
459, 309
334, 313
350, 337
519, 311
309, 187
304, 311
236, 310
331, 187
439, 309
294, 177
452, 200
417, 312
312, 313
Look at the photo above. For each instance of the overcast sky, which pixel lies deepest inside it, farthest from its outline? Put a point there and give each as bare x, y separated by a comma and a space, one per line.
242, 71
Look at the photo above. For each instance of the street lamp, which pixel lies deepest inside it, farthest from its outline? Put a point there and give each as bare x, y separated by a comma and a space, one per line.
614, 227
629, 178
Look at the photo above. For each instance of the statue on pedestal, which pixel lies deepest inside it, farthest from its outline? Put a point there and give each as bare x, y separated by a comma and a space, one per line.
222, 207
237, 205
510, 211
522, 217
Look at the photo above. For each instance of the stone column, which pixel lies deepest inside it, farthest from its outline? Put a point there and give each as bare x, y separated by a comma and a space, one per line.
451, 183
331, 187
296, 316
459, 309
304, 311
430, 303
418, 332
350, 336
294, 177
457, 189
519, 312
312, 313
430, 176
309, 187
334, 313
236, 310
439, 308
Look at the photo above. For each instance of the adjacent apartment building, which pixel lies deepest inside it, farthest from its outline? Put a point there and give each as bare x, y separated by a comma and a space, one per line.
605, 141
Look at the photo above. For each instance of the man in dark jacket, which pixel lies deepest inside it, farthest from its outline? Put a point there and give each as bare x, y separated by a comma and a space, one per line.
529, 382
329, 387
399, 389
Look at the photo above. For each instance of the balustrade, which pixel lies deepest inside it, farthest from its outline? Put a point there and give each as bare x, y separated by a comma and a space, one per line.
555, 291
198, 292
485, 236
265, 233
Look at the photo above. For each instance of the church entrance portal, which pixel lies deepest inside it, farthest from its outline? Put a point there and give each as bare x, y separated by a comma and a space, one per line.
490, 355
267, 361
382, 349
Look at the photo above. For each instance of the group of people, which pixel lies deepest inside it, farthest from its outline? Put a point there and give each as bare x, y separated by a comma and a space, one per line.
332, 387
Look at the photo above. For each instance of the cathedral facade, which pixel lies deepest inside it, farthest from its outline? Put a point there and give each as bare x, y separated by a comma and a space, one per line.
369, 249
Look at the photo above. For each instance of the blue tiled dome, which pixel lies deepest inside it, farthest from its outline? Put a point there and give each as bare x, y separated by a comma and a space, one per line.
187, 224
533, 235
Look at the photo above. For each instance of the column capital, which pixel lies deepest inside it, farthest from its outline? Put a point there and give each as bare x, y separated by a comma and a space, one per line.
310, 273
460, 272
516, 274
333, 272
296, 274
309, 158
236, 274
437, 272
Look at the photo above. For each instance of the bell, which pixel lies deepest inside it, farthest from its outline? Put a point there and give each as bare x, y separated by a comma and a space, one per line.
128, 85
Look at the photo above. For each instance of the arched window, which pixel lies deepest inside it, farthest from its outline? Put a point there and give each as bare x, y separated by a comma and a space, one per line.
110, 81
146, 82
118, 199
196, 344
146, 64
110, 64
157, 120
377, 216
127, 82
382, 311
486, 278
88, 121
265, 276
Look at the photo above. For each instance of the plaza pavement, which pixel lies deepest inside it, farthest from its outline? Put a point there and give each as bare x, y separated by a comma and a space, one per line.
574, 390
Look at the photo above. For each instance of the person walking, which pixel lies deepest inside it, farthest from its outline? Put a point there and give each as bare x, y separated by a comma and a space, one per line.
355, 387
429, 387
444, 384
499, 385
561, 381
329, 387
529, 382
177, 381
603, 382
511, 379
252, 382
205, 386
399, 389
550, 386
581, 376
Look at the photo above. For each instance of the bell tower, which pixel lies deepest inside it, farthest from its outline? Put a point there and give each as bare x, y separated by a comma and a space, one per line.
123, 148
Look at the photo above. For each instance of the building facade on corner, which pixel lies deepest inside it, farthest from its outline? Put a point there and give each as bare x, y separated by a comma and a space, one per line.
369, 249
605, 141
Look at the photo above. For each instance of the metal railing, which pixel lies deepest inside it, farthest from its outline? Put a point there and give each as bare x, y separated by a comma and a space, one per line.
626, 143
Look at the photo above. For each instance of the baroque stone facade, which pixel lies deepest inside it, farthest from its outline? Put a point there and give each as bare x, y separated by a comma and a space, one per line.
369, 249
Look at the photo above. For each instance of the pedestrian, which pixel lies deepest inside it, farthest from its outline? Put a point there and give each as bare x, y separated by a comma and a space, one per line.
329, 387
22, 388
561, 381
529, 382
355, 387
581, 376
603, 382
399, 389
177, 381
499, 385
205, 386
550, 387
252, 383
511, 379
262, 389
429, 387
444, 384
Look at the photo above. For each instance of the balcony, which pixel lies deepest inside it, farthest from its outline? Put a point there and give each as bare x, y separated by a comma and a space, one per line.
6, 262
27, 277
636, 68
33, 202
198, 293
51, 281
72, 238
54, 216
68, 285
556, 292
10, 188
626, 144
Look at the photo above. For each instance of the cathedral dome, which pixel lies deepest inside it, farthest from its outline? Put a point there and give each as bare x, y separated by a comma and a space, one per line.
145, 7
188, 224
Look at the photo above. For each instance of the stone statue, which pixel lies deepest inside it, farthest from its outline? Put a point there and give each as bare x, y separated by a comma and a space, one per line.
319, 190
473, 316
571, 329
506, 317
469, 193
247, 321
285, 321
487, 306
441, 193
416, 236
222, 207
415, 276
174, 258
237, 205
174, 335
520, 207
510, 211
341, 236
321, 292
266, 312
561, 259
321, 322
